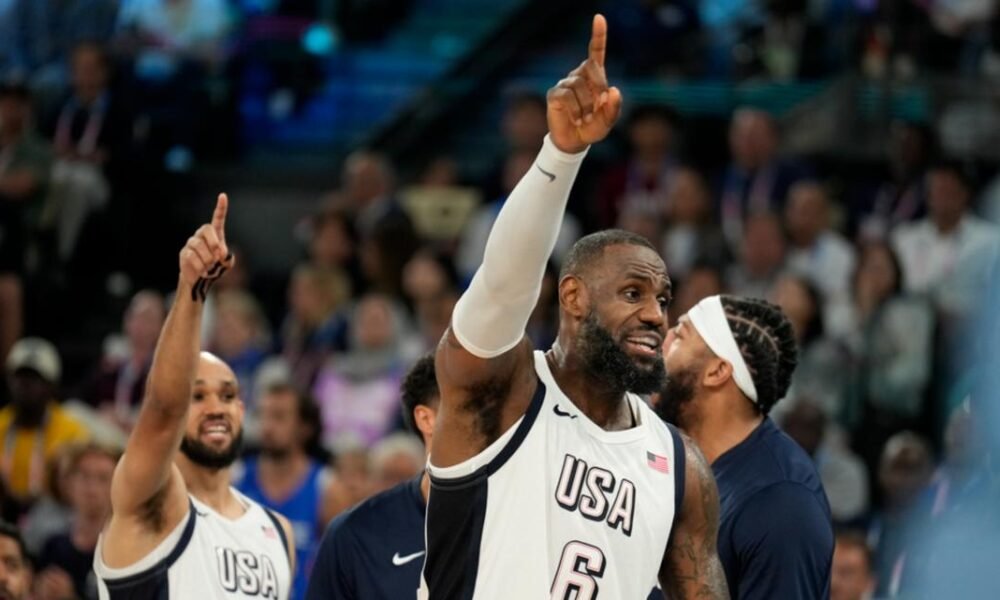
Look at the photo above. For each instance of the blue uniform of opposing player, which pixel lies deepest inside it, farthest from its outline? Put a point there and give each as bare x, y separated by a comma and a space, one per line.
375, 551
728, 361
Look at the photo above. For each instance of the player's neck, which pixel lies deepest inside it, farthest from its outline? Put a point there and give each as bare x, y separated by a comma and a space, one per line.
210, 486
604, 406
283, 467
722, 424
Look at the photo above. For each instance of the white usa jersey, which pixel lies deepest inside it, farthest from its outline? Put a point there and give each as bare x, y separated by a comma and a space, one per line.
207, 557
555, 508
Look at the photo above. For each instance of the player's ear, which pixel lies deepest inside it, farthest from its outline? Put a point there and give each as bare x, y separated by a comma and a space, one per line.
717, 373
573, 296
423, 418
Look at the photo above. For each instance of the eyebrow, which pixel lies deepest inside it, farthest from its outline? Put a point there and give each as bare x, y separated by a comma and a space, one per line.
224, 383
667, 284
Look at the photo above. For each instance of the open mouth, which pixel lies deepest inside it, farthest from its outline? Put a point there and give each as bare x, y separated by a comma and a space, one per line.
646, 345
217, 432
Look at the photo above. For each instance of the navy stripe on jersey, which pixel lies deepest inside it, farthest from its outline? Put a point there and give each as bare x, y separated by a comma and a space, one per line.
680, 464
281, 533
153, 583
456, 513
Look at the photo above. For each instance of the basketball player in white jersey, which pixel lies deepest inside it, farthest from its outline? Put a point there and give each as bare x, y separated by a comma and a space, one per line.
178, 531
550, 478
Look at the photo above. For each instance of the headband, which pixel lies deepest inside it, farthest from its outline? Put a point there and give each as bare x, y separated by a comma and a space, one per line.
709, 318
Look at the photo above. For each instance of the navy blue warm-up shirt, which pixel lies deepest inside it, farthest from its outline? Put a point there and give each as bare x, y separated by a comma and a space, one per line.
775, 532
374, 551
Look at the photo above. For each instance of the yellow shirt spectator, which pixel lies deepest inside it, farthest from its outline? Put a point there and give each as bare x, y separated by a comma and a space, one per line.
27, 450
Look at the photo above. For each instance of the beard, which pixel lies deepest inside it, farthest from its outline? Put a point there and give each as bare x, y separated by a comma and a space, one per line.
206, 456
677, 394
606, 359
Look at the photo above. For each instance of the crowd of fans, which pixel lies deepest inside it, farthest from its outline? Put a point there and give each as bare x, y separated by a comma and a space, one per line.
881, 277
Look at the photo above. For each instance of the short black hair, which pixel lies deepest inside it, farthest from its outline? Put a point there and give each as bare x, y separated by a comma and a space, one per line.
855, 538
591, 247
419, 388
961, 171
766, 340
308, 412
8, 530
15, 89
518, 98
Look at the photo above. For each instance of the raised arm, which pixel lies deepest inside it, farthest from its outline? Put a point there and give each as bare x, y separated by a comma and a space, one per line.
486, 340
146, 485
691, 567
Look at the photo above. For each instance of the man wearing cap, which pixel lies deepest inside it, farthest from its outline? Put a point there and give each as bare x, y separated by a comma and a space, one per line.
33, 427
728, 361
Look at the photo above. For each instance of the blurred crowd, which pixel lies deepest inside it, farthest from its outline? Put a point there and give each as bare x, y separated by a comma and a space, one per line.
883, 275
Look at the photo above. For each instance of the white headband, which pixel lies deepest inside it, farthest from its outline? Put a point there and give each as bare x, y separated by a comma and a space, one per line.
709, 318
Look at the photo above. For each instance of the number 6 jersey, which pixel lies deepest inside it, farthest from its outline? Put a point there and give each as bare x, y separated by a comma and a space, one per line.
556, 507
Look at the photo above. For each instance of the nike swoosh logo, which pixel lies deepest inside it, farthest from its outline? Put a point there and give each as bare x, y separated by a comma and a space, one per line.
551, 176
399, 561
561, 413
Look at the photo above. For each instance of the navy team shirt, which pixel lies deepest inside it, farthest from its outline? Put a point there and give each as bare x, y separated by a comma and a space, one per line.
374, 551
775, 531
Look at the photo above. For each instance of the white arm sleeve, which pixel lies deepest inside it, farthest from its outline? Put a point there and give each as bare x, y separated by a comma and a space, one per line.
490, 317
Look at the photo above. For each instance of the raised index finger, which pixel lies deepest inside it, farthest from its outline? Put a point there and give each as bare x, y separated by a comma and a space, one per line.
598, 39
219, 217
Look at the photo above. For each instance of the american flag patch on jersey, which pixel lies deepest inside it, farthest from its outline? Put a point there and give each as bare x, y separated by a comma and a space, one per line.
657, 462
269, 532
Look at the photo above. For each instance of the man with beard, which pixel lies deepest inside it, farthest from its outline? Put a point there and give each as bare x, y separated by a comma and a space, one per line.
15, 567
177, 529
284, 477
549, 476
729, 360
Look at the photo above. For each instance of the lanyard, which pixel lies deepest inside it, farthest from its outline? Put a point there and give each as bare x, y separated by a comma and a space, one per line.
95, 120
36, 467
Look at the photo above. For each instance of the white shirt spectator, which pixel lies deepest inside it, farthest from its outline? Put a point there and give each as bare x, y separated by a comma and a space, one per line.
828, 264
951, 268
178, 25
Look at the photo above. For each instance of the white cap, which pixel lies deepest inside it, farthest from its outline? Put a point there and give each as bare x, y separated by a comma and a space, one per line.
38, 355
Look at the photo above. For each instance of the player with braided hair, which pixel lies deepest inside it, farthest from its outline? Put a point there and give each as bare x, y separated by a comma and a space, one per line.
728, 361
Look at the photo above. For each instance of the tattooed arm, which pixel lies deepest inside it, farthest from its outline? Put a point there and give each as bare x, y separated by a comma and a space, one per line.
691, 567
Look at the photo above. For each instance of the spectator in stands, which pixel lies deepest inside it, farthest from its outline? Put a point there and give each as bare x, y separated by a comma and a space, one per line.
761, 257
119, 383
431, 285
963, 473
90, 132
473, 244
817, 252
368, 183
820, 371
543, 324
352, 481
691, 236
25, 162
241, 336
905, 469
902, 196
65, 565
787, 45
15, 564
890, 338
51, 514
358, 391
315, 326
397, 458
852, 576
34, 426
286, 477
949, 254
523, 124
844, 475
641, 185
52, 29
701, 282
756, 180
332, 243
